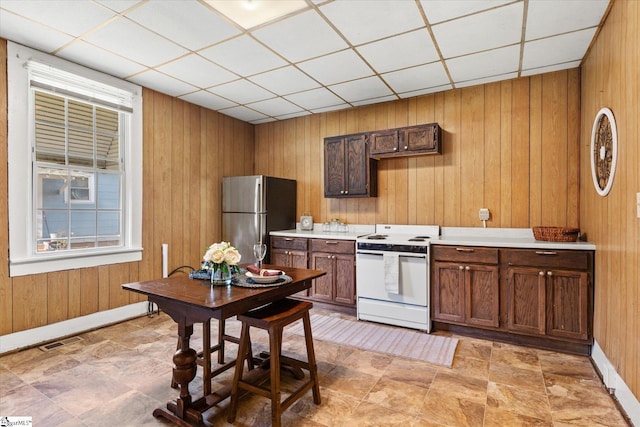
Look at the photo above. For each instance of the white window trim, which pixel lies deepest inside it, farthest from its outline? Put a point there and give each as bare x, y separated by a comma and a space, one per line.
22, 257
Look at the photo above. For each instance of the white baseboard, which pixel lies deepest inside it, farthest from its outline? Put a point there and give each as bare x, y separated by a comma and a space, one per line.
43, 334
613, 381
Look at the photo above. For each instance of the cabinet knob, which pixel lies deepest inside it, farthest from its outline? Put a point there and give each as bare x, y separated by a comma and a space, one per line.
406, 147
346, 191
541, 273
467, 268
342, 192
328, 256
395, 148
461, 267
549, 273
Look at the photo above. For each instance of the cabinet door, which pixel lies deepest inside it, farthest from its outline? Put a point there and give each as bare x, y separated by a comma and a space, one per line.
567, 295
448, 292
418, 138
345, 279
357, 161
298, 259
383, 142
322, 288
526, 299
334, 167
481, 295
280, 257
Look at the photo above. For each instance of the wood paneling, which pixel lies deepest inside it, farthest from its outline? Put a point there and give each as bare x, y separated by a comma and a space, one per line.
509, 146
611, 78
186, 151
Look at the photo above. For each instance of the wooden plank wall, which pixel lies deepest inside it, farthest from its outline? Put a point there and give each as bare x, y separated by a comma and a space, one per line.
187, 150
611, 78
510, 146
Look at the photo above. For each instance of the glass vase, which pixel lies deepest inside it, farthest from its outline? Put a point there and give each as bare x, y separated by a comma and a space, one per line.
221, 276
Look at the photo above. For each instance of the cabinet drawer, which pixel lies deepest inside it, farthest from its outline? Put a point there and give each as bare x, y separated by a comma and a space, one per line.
333, 246
465, 254
575, 260
299, 243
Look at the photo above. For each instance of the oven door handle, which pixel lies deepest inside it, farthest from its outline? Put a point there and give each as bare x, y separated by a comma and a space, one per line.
401, 255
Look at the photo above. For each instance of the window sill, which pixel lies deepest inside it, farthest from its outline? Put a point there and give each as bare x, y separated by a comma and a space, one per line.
67, 261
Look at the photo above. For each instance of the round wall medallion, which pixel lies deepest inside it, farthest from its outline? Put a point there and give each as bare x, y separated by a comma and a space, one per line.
604, 151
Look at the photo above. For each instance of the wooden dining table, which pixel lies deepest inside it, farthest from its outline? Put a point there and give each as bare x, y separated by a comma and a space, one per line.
188, 301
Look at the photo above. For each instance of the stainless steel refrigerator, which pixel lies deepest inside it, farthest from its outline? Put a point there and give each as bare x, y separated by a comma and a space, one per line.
252, 206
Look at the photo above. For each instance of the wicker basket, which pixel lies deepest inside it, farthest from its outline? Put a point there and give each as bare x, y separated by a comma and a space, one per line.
556, 234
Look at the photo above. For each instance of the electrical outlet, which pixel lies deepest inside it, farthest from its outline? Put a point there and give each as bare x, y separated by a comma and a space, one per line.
484, 214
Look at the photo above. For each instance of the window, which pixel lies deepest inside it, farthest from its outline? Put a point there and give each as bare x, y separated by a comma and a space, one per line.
75, 148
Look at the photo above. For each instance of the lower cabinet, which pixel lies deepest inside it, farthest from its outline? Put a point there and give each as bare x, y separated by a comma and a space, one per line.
337, 258
466, 291
290, 252
551, 299
537, 297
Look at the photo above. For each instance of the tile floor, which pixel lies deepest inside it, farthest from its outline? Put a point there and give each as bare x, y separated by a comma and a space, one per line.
119, 374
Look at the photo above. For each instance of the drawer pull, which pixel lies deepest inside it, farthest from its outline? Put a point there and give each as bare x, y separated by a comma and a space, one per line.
465, 249
330, 242
288, 239
551, 253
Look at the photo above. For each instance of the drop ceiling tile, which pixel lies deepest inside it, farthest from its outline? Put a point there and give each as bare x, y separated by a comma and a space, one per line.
443, 10
547, 18
375, 100
208, 100
554, 50
434, 89
284, 80
313, 37
275, 107
197, 71
243, 113
68, 16
313, 99
91, 56
119, 5
551, 68
331, 108
292, 115
261, 121
27, 33
490, 79
486, 30
416, 78
162, 83
405, 50
189, 24
484, 64
134, 42
359, 90
243, 55
373, 21
249, 14
337, 67
242, 92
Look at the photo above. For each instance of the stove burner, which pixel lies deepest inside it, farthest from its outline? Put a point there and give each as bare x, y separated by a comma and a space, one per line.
377, 237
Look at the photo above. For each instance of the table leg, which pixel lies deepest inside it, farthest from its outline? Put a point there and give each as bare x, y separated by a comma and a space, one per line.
184, 372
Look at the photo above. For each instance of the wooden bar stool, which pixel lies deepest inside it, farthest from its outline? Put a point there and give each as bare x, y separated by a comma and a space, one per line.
273, 318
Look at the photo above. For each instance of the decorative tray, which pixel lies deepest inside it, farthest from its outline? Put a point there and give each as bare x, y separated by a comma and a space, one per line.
246, 282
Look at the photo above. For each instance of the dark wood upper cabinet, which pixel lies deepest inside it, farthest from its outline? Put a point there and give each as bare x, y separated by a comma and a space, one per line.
348, 169
407, 141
